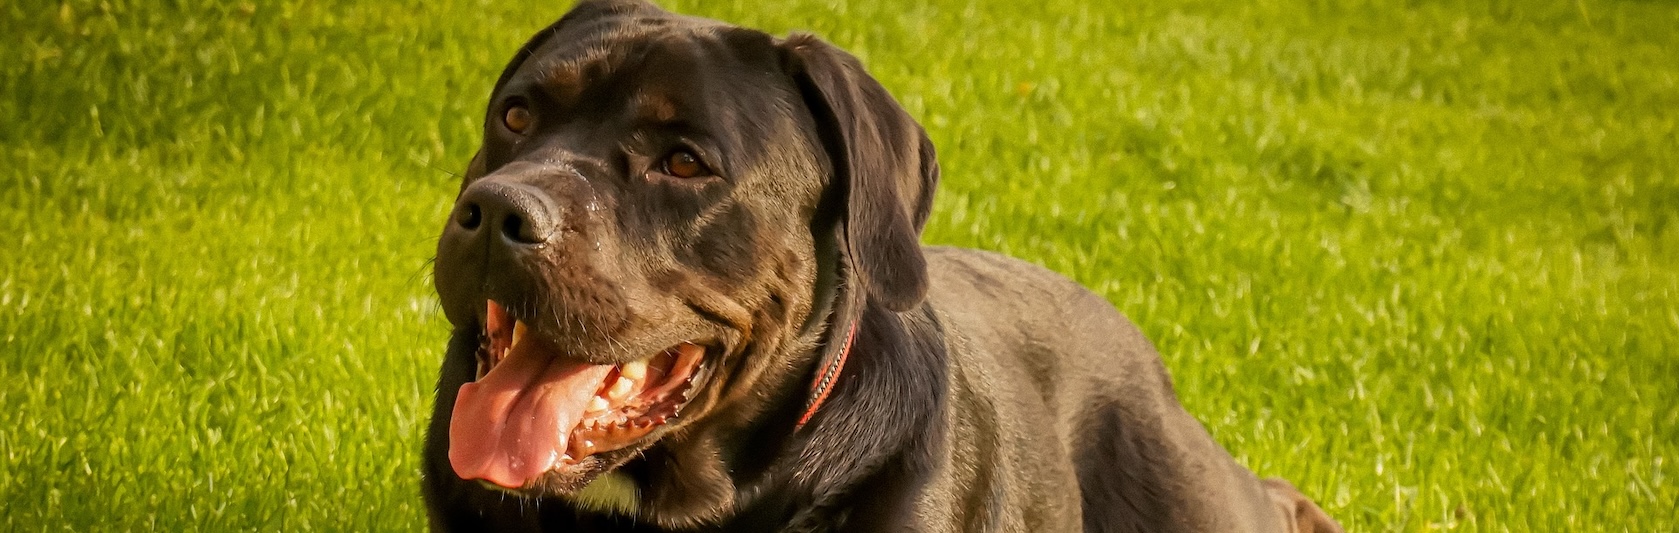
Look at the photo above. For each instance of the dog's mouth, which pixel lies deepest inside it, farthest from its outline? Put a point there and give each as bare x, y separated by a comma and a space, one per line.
532, 410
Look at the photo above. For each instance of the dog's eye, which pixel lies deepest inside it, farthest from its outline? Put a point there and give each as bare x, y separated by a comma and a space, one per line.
684, 164
517, 118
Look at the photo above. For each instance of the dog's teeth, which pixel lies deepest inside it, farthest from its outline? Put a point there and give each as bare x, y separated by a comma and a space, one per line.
599, 404
518, 333
620, 389
634, 370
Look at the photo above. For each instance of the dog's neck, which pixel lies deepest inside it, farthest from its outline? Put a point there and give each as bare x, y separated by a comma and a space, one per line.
828, 376
833, 315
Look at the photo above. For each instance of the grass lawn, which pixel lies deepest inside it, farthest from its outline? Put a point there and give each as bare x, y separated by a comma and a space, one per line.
1421, 258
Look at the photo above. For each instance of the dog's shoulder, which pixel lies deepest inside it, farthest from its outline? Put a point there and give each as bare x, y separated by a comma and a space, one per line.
980, 293
1038, 362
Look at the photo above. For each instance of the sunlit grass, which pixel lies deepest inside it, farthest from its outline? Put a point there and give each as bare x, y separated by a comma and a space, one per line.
1416, 257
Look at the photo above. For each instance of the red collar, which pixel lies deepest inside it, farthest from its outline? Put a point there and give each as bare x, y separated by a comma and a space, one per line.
824, 383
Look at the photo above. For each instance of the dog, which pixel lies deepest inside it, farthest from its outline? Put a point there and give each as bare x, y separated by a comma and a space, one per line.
687, 292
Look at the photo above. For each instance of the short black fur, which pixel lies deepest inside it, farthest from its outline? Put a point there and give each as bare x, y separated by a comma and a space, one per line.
981, 393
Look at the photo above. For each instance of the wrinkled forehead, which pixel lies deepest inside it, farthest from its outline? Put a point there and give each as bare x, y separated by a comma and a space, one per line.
658, 63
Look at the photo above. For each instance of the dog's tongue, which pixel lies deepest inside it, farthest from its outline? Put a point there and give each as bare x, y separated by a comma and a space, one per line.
511, 426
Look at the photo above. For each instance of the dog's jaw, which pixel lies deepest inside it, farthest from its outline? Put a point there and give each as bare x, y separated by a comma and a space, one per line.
534, 420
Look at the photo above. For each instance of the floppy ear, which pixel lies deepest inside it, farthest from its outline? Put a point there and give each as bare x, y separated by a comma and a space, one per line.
884, 169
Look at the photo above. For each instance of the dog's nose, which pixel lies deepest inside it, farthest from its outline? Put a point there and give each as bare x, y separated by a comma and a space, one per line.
514, 213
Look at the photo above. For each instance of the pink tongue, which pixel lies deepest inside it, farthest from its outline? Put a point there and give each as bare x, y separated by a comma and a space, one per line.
511, 426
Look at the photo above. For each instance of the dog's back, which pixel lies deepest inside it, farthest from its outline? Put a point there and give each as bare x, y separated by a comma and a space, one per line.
1064, 414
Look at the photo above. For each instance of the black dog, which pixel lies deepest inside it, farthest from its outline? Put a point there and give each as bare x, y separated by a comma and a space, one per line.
688, 294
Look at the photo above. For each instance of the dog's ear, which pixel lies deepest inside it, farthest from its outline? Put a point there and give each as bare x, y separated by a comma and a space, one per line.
884, 168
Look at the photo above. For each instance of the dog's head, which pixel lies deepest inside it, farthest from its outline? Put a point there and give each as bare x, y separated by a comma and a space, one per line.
653, 232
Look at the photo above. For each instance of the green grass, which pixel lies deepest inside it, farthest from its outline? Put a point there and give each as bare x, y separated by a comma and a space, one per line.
1418, 257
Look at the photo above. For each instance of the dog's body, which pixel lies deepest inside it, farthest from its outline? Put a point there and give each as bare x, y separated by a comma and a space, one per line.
1052, 389
688, 294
